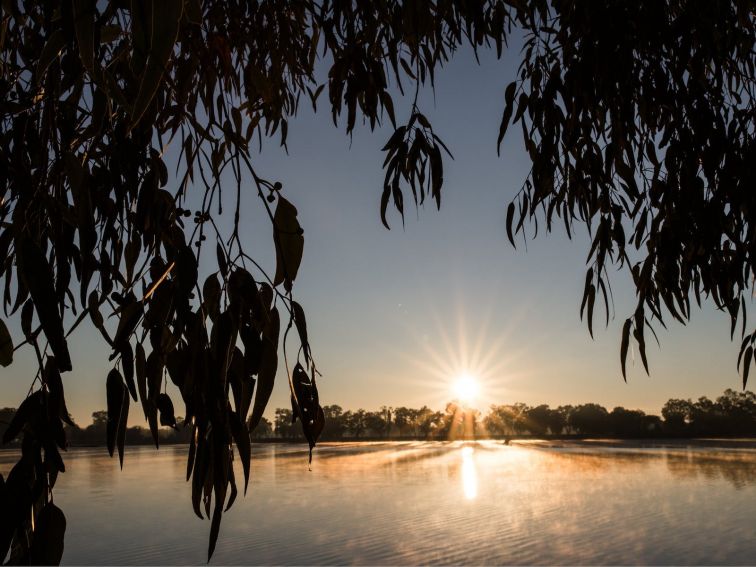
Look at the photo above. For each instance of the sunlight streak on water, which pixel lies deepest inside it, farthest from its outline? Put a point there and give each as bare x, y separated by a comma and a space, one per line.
469, 474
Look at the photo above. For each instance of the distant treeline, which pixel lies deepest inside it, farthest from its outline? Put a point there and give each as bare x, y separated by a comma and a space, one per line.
732, 413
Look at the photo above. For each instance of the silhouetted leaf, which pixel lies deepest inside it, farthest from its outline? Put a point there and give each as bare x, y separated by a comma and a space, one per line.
222, 340
165, 406
221, 257
192, 452
625, 345
241, 438
232, 485
18, 503
94, 310
165, 17
131, 313
6, 531
84, 20
186, 271
306, 406
507, 116
49, 534
122, 425
747, 365
27, 313
211, 293
28, 408
154, 372
50, 51
56, 399
39, 279
591, 303
510, 220
127, 364
200, 471
6, 345
301, 324
116, 393
287, 235
268, 366
140, 367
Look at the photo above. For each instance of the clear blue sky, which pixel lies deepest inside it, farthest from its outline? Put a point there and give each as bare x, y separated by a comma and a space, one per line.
394, 316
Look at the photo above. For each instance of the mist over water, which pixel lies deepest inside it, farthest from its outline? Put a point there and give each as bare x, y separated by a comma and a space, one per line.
421, 503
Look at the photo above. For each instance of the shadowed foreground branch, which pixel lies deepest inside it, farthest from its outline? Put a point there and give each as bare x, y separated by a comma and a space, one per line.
126, 128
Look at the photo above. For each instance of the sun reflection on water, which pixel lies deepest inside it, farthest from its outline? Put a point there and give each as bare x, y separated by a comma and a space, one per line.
469, 474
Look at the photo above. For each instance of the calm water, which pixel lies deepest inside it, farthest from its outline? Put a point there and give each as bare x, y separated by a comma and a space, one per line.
420, 503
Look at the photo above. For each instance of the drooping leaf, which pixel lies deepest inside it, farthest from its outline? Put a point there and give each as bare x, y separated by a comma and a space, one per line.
56, 398
49, 536
222, 341
232, 486
38, 277
27, 313
747, 364
6, 533
289, 242
154, 378
301, 323
510, 220
84, 22
625, 345
50, 51
116, 392
165, 19
165, 406
306, 404
241, 438
192, 452
18, 503
200, 471
211, 294
268, 366
155, 369
122, 425
95, 315
131, 313
221, 465
6, 345
127, 364
235, 377
56, 431
186, 271
508, 99
252, 349
221, 257
140, 368
31, 406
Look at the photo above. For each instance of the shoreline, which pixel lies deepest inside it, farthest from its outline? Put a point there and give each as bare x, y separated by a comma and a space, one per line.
555, 442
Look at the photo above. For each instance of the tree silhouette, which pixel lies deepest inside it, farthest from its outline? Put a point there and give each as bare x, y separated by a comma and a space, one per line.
638, 119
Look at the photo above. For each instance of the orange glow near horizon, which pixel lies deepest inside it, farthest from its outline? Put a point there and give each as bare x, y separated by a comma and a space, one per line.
467, 361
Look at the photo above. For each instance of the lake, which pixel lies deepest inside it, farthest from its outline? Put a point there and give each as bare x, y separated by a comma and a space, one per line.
423, 502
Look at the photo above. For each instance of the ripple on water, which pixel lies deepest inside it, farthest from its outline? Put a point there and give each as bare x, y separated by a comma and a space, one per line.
420, 503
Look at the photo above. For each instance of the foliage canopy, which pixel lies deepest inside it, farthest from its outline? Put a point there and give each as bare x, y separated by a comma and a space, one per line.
638, 118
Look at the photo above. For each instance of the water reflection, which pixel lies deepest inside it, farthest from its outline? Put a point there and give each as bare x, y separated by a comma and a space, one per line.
469, 474
735, 467
399, 503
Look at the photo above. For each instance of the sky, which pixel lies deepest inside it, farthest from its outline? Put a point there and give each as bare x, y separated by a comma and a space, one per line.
395, 316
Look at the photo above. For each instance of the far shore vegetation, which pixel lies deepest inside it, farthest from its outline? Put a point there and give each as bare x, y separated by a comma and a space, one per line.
732, 414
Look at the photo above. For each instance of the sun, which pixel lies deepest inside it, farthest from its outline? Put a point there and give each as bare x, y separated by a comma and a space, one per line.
466, 388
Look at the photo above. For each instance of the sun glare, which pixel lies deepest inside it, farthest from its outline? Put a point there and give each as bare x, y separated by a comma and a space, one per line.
466, 388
